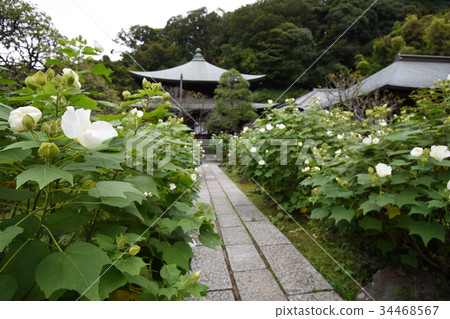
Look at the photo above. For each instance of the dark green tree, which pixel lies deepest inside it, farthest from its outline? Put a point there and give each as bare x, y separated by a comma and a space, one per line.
27, 36
232, 111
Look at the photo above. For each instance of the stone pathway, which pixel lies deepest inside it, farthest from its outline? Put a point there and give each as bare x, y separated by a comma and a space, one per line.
256, 262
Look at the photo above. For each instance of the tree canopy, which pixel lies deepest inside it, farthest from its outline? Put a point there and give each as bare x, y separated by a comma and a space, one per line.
27, 36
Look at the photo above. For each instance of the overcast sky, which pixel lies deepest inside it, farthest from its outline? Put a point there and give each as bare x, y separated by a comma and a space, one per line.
101, 20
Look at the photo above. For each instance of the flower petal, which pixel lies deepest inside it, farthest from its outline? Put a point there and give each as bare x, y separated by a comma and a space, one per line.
69, 123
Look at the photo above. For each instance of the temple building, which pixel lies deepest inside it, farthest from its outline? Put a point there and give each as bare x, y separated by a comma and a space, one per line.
406, 74
192, 86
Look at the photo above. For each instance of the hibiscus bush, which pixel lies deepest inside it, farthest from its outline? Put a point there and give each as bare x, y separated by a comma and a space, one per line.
386, 177
83, 217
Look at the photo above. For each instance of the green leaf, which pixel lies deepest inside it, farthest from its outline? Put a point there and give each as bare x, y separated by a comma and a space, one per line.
319, 213
8, 287
170, 273
385, 246
400, 178
43, 175
53, 61
409, 260
68, 219
383, 199
180, 253
25, 145
188, 224
8, 234
421, 209
8, 82
114, 189
23, 265
110, 281
5, 110
15, 194
425, 180
436, 204
100, 69
405, 197
84, 102
369, 206
13, 155
427, 231
89, 51
78, 268
131, 265
144, 183
105, 160
341, 213
368, 223
147, 285
336, 192
208, 237
106, 243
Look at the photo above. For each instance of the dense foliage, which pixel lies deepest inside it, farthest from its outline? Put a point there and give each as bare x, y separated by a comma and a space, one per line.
288, 34
231, 112
385, 177
81, 217
27, 37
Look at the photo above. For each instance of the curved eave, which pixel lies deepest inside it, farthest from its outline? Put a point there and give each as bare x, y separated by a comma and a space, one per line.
193, 72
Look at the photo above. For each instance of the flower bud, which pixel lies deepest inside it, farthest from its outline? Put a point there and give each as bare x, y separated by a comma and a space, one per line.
48, 151
40, 78
90, 59
30, 82
156, 86
45, 128
424, 160
121, 241
88, 184
145, 83
28, 123
374, 179
61, 41
134, 250
50, 74
371, 170
166, 96
70, 79
126, 94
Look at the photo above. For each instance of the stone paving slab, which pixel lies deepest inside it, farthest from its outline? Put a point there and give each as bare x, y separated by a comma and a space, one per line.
229, 220
211, 263
317, 296
224, 210
239, 200
244, 257
235, 236
258, 285
253, 274
300, 278
249, 213
265, 233
220, 201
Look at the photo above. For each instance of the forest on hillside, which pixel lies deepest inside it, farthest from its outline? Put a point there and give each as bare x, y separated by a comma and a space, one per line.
279, 38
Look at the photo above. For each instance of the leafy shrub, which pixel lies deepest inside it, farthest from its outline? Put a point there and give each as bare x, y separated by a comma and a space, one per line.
80, 217
388, 178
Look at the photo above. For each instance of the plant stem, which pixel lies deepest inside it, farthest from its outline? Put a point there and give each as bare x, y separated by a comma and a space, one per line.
47, 197
422, 254
89, 234
54, 240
